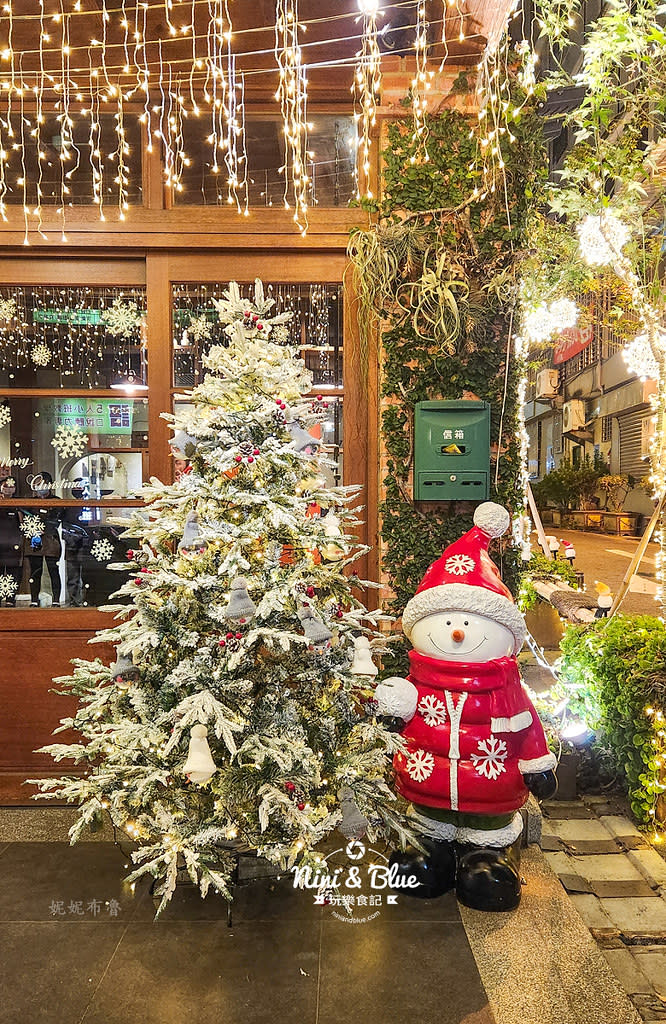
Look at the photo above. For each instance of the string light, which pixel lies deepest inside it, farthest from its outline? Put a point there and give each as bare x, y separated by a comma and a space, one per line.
601, 238
292, 96
543, 321
639, 357
365, 90
421, 81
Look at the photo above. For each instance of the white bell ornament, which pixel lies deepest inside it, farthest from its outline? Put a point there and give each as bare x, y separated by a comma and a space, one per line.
199, 766
363, 665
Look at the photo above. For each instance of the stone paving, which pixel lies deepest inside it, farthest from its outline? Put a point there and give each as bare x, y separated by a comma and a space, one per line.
617, 882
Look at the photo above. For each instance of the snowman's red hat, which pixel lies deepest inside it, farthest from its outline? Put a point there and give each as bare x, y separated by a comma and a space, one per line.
466, 579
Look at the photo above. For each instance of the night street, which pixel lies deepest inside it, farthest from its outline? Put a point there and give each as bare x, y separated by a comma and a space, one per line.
606, 558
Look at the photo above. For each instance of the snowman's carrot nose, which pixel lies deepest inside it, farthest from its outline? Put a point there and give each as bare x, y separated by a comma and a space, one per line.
457, 635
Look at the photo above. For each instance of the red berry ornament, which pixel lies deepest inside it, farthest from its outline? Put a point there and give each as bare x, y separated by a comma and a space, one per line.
290, 787
230, 636
239, 636
238, 458
250, 459
130, 555
301, 806
310, 591
222, 643
255, 451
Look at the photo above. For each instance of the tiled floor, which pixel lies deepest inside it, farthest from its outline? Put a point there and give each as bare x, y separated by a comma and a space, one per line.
81, 948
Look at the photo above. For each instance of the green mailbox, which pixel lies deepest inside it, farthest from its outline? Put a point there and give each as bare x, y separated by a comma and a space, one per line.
451, 451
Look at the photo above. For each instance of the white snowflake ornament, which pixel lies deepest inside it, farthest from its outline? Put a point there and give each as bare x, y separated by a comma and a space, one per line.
432, 709
122, 319
7, 309
489, 762
69, 441
199, 328
459, 565
102, 550
5, 415
41, 355
8, 586
420, 765
32, 526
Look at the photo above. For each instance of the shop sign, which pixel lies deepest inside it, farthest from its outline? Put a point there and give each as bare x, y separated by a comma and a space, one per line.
99, 416
572, 341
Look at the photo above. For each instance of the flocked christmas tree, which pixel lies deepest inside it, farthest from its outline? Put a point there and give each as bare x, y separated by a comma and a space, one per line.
237, 715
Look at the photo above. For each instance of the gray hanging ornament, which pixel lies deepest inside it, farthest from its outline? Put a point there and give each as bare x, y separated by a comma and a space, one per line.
124, 671
301, 441
316, 632
183, 444
191, 539
353, 825
240, 607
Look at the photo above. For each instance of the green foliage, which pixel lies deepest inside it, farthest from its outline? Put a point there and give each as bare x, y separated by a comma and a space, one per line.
570, 486
615, 679
542, 568
438, 273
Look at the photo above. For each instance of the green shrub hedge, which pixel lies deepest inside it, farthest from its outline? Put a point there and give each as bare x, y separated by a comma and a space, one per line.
615, 676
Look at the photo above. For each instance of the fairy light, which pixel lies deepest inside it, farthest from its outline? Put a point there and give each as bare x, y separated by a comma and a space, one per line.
292, 96
601, 238
522, 526
421, 81
365, 90
640, 359
541, 322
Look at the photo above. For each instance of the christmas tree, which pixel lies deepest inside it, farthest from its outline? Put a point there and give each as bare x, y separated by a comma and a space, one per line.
238, 714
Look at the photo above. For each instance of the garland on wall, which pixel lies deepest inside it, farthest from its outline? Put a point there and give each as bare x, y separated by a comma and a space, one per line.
438, 272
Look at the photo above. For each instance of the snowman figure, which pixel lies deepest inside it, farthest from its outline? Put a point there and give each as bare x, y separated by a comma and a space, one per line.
475, 747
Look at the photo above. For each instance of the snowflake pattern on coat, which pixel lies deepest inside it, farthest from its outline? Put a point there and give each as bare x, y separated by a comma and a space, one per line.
459, 565
420, 765
491, 757
432, 709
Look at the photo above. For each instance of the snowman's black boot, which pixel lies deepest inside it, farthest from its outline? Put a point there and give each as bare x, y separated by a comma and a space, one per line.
489, 878
432, 873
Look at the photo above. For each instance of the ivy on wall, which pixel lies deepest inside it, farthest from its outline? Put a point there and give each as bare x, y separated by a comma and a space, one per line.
438, 273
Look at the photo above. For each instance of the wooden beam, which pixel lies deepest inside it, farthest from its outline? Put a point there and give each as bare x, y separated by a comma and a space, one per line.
638, 555
160, 363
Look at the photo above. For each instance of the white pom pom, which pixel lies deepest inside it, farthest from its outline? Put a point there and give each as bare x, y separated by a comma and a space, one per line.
397, 696
198, 731
492, 518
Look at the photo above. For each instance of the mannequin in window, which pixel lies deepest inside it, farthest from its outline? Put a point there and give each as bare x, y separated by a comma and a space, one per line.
11, 538
48, 546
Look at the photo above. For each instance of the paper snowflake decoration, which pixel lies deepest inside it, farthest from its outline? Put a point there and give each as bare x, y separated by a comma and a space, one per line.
32, 526
433, 710
102, 550
459, 565
420, 765
5, 415
41, 355
489, 762
122, 319
69, 441
199, 328
8, 586
7, 309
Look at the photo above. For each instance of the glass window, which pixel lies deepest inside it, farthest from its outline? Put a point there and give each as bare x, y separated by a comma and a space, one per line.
331, 149
72, 337
316, 327
70, 180
328, 430
55, 446
55, 556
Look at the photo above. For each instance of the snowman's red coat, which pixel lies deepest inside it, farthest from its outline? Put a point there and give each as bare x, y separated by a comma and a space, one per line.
474, 734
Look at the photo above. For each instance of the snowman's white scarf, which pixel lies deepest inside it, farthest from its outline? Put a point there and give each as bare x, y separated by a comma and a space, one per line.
510, 707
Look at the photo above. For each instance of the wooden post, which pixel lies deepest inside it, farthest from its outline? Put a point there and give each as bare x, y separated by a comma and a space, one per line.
638, 554
541, 534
